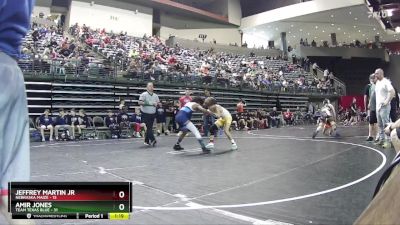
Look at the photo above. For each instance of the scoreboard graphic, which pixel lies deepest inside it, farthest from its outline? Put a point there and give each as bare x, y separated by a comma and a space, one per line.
70, 200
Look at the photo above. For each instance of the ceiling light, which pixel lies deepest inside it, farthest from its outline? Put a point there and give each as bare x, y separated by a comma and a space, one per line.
323, 31
292, 25
344, 32
276, 28
363, 35
397, 29
332, 16
316, 27
374, 28
355, 26
356, 18
294, 36
338, 28
389, 13
350, 12
397, 39
359, 31
332, 24
301, 30
315, 37
290, 32
377, 33
383, 40
308, 34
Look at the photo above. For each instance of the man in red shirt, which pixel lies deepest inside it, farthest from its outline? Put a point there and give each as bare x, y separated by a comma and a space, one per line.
240, 106
288, 117
185, 99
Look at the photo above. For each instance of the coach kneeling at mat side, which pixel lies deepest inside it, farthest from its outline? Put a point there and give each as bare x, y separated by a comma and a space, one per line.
393, 129
148, 102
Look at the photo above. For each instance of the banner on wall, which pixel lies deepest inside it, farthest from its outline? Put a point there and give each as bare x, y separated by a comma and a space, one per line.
345, 101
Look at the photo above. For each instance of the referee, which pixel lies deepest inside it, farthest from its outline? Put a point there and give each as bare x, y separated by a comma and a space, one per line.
148, 102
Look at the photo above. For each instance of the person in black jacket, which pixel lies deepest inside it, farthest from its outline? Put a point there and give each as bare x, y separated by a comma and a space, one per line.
275, 118
123, 119
394, 106
61, 123
46, 123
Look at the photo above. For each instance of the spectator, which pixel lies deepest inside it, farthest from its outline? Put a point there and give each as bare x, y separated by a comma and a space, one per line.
148, 102
161, 119
123, 119
112, 124
208, 119
314, 68
121, 103
62, 123
275, 118
73, 122
45, 123
288, 117
370, 107
240, 106
394, 106
83, 121
353, 112
384, 93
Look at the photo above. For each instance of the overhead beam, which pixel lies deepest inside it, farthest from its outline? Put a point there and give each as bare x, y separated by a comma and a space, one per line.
191, 9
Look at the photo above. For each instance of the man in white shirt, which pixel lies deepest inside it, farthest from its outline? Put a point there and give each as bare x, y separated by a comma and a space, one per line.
384, 93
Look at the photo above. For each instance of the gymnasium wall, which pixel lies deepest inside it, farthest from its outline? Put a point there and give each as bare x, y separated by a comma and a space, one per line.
392, 70
221, 35
41, 9
112, 15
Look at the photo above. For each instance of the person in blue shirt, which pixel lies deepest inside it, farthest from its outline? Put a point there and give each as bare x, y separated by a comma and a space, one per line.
46, 123
15, 18
161, 119
61, 123
112, 124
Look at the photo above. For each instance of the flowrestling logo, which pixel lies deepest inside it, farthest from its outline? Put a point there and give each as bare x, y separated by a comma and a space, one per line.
378, 14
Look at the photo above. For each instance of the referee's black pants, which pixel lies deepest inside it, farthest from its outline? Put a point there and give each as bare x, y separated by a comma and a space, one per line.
148, 119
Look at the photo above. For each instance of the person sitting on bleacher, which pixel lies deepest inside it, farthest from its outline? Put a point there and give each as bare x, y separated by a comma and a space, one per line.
136, 120
83, 121
61, 123
45, 123
123, 119
112, 124
73, 122
288, 117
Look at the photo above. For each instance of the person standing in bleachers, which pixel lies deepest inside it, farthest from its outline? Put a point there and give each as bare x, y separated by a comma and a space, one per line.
61, 123
161, 120
46, 123
208, 119
148, 102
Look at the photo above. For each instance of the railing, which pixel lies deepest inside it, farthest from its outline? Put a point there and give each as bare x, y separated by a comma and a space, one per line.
337, 84
70, 69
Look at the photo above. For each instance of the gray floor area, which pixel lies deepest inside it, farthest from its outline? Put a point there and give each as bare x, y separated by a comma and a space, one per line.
278, 176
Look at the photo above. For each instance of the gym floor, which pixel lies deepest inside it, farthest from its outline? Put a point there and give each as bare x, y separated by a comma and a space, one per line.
278, 176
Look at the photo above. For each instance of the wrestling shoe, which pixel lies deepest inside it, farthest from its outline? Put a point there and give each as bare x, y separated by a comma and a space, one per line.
210, 146
314, 135
178, 147
234, 146
205, 150
387, 144
369, 138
